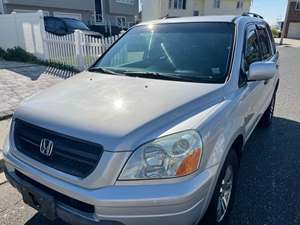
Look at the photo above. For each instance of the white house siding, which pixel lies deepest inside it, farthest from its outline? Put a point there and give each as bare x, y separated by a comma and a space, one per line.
177, 12
84, 14
154, 9
228, 7
151, 10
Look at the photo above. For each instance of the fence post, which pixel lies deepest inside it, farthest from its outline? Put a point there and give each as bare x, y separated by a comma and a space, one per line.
44, 37
78, 50
14, 15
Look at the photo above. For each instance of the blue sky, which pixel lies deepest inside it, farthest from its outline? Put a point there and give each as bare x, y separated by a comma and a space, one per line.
271, 10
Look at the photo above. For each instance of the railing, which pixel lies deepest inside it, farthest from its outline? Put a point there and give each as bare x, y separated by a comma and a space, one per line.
78, 49
97, 18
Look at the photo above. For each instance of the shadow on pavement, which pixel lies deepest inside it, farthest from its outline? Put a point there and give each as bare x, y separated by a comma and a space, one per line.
268, 191
269, 182
38, 219
34, 72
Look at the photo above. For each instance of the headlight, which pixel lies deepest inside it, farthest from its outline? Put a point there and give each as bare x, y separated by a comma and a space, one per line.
172, 156
6, 145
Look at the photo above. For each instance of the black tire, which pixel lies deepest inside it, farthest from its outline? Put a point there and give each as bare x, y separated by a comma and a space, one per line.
267, 118
212, 217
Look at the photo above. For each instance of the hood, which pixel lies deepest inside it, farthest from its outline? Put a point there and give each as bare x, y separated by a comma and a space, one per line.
118, 112
92, 33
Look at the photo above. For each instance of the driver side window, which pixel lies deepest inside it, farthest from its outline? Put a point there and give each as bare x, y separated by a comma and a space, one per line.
251, 54
252, 51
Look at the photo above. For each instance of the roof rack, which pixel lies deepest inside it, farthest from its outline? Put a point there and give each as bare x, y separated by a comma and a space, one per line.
168, 17
252, 14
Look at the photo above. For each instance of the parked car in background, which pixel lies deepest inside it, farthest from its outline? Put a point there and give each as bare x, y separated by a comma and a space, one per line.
153, 132
107, 31
63, 26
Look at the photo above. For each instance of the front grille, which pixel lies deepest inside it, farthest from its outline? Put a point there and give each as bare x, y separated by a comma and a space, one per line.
84, 207
72, 156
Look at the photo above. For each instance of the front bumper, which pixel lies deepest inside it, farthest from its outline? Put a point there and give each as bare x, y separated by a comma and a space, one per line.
179, 203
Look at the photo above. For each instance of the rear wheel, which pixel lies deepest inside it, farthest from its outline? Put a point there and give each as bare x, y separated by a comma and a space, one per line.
221, 204
267, 118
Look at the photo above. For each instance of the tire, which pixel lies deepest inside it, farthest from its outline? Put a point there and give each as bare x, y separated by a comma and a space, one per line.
267, 117
214, 214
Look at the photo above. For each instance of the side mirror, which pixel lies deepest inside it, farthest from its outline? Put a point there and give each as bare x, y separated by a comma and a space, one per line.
261, 71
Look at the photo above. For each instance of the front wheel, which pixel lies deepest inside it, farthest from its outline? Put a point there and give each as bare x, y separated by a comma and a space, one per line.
267, 118
221, 204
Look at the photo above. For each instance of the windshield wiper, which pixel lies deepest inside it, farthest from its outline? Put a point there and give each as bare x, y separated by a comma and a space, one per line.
155, 75
103, 70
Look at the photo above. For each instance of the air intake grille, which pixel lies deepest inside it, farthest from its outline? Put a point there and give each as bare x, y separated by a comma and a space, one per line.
69, 155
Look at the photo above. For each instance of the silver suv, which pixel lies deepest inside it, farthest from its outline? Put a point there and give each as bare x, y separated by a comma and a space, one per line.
154, 131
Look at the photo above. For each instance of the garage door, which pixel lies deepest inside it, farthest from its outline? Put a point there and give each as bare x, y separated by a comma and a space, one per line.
46, 13
68, 15
294, 30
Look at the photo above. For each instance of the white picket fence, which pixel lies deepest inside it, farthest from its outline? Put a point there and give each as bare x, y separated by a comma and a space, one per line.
78, 49
27, 30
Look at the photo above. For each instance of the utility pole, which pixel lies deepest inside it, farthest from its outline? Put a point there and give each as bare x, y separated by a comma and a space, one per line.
285, 22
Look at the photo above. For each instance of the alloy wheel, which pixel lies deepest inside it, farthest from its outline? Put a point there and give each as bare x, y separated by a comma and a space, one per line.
225, 194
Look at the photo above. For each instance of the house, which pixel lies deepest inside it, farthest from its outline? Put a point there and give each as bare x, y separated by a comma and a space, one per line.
77, 9
122, 13
293, 20
155, 9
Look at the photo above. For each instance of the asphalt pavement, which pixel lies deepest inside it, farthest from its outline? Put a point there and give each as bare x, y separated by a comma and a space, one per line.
269, 182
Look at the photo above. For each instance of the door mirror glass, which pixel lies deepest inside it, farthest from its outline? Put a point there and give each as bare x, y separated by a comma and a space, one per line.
261, 71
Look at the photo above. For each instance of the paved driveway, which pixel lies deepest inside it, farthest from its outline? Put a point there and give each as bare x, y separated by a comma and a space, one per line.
19, 81
268, 190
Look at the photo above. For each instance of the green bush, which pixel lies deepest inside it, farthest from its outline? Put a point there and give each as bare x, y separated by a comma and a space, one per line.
20, 55
2, 53
275, 32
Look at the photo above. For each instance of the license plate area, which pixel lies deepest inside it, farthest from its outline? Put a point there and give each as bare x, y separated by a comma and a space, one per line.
40, 201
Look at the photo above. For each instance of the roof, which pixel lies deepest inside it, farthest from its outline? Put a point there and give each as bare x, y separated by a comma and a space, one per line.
195, 19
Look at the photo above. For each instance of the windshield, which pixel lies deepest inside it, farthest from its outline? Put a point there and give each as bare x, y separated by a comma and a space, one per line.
73, 24
197, 52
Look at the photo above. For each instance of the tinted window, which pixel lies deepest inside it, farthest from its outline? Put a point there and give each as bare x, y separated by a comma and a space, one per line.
266, 49
73, 24
272, 38
198, 51
50, 24
252, 51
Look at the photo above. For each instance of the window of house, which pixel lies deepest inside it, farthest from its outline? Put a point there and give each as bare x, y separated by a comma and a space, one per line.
177, 4
129, 2
266, 48
121, 21
297, 7
217, 3
240, 4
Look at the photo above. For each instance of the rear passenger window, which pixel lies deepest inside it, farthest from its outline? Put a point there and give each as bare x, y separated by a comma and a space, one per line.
50, 25
272, 39
266, 49
252, 52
